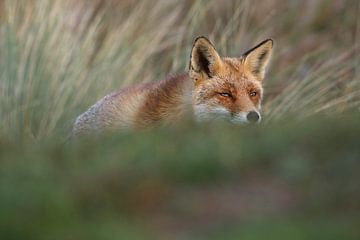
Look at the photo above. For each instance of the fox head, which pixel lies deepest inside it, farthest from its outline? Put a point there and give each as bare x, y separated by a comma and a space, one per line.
228, 88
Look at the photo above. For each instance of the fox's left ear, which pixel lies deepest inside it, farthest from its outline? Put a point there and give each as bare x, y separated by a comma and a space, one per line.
257, 58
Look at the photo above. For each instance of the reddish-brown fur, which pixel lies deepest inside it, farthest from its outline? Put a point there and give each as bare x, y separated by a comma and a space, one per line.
162, 101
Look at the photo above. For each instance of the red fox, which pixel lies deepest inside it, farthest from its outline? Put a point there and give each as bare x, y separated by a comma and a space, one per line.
213, 88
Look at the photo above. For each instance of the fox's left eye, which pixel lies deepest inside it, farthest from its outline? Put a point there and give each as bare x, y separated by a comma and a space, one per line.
224, 94
253, 94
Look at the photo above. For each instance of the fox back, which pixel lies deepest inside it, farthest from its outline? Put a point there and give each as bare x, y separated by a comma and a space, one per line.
214, 88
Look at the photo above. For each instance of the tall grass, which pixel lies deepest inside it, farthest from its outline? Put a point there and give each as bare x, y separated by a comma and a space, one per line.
58, 57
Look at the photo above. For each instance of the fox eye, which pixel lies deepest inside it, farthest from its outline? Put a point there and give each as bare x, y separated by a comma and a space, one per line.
224, 94
253, 94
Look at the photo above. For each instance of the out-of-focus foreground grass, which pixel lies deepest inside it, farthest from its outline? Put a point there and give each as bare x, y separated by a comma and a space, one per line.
295, 176
282, 181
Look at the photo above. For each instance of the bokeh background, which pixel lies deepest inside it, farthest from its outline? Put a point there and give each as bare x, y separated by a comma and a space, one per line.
295, 176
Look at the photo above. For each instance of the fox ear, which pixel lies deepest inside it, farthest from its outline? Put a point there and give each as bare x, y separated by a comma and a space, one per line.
204, 58
257, 58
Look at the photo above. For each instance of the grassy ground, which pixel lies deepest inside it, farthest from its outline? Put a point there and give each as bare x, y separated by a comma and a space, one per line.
292, 177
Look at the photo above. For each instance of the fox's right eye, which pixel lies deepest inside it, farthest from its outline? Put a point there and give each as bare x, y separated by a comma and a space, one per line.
224, 94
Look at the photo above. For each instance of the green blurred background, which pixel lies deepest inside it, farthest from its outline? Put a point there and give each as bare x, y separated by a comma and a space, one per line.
295, 176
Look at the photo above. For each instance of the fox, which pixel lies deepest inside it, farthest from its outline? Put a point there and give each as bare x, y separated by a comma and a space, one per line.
213, 88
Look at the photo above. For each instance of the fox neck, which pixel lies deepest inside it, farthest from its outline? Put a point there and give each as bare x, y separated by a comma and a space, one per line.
166, 101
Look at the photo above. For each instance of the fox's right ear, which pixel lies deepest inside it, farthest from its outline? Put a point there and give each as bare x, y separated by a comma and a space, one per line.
204, 58
257, 58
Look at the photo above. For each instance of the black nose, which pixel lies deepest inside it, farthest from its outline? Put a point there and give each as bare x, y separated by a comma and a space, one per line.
253, 117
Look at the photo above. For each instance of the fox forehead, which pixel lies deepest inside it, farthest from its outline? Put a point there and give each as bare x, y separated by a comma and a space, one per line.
233, 76
234, 68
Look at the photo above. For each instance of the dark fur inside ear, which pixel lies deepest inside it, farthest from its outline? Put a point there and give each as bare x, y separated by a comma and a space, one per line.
204, 57
203, 61
261, 58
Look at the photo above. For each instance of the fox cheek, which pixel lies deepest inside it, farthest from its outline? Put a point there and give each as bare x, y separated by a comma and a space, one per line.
258, 104
256, 101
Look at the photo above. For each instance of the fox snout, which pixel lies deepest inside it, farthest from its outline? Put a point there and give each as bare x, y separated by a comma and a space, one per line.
205, 112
